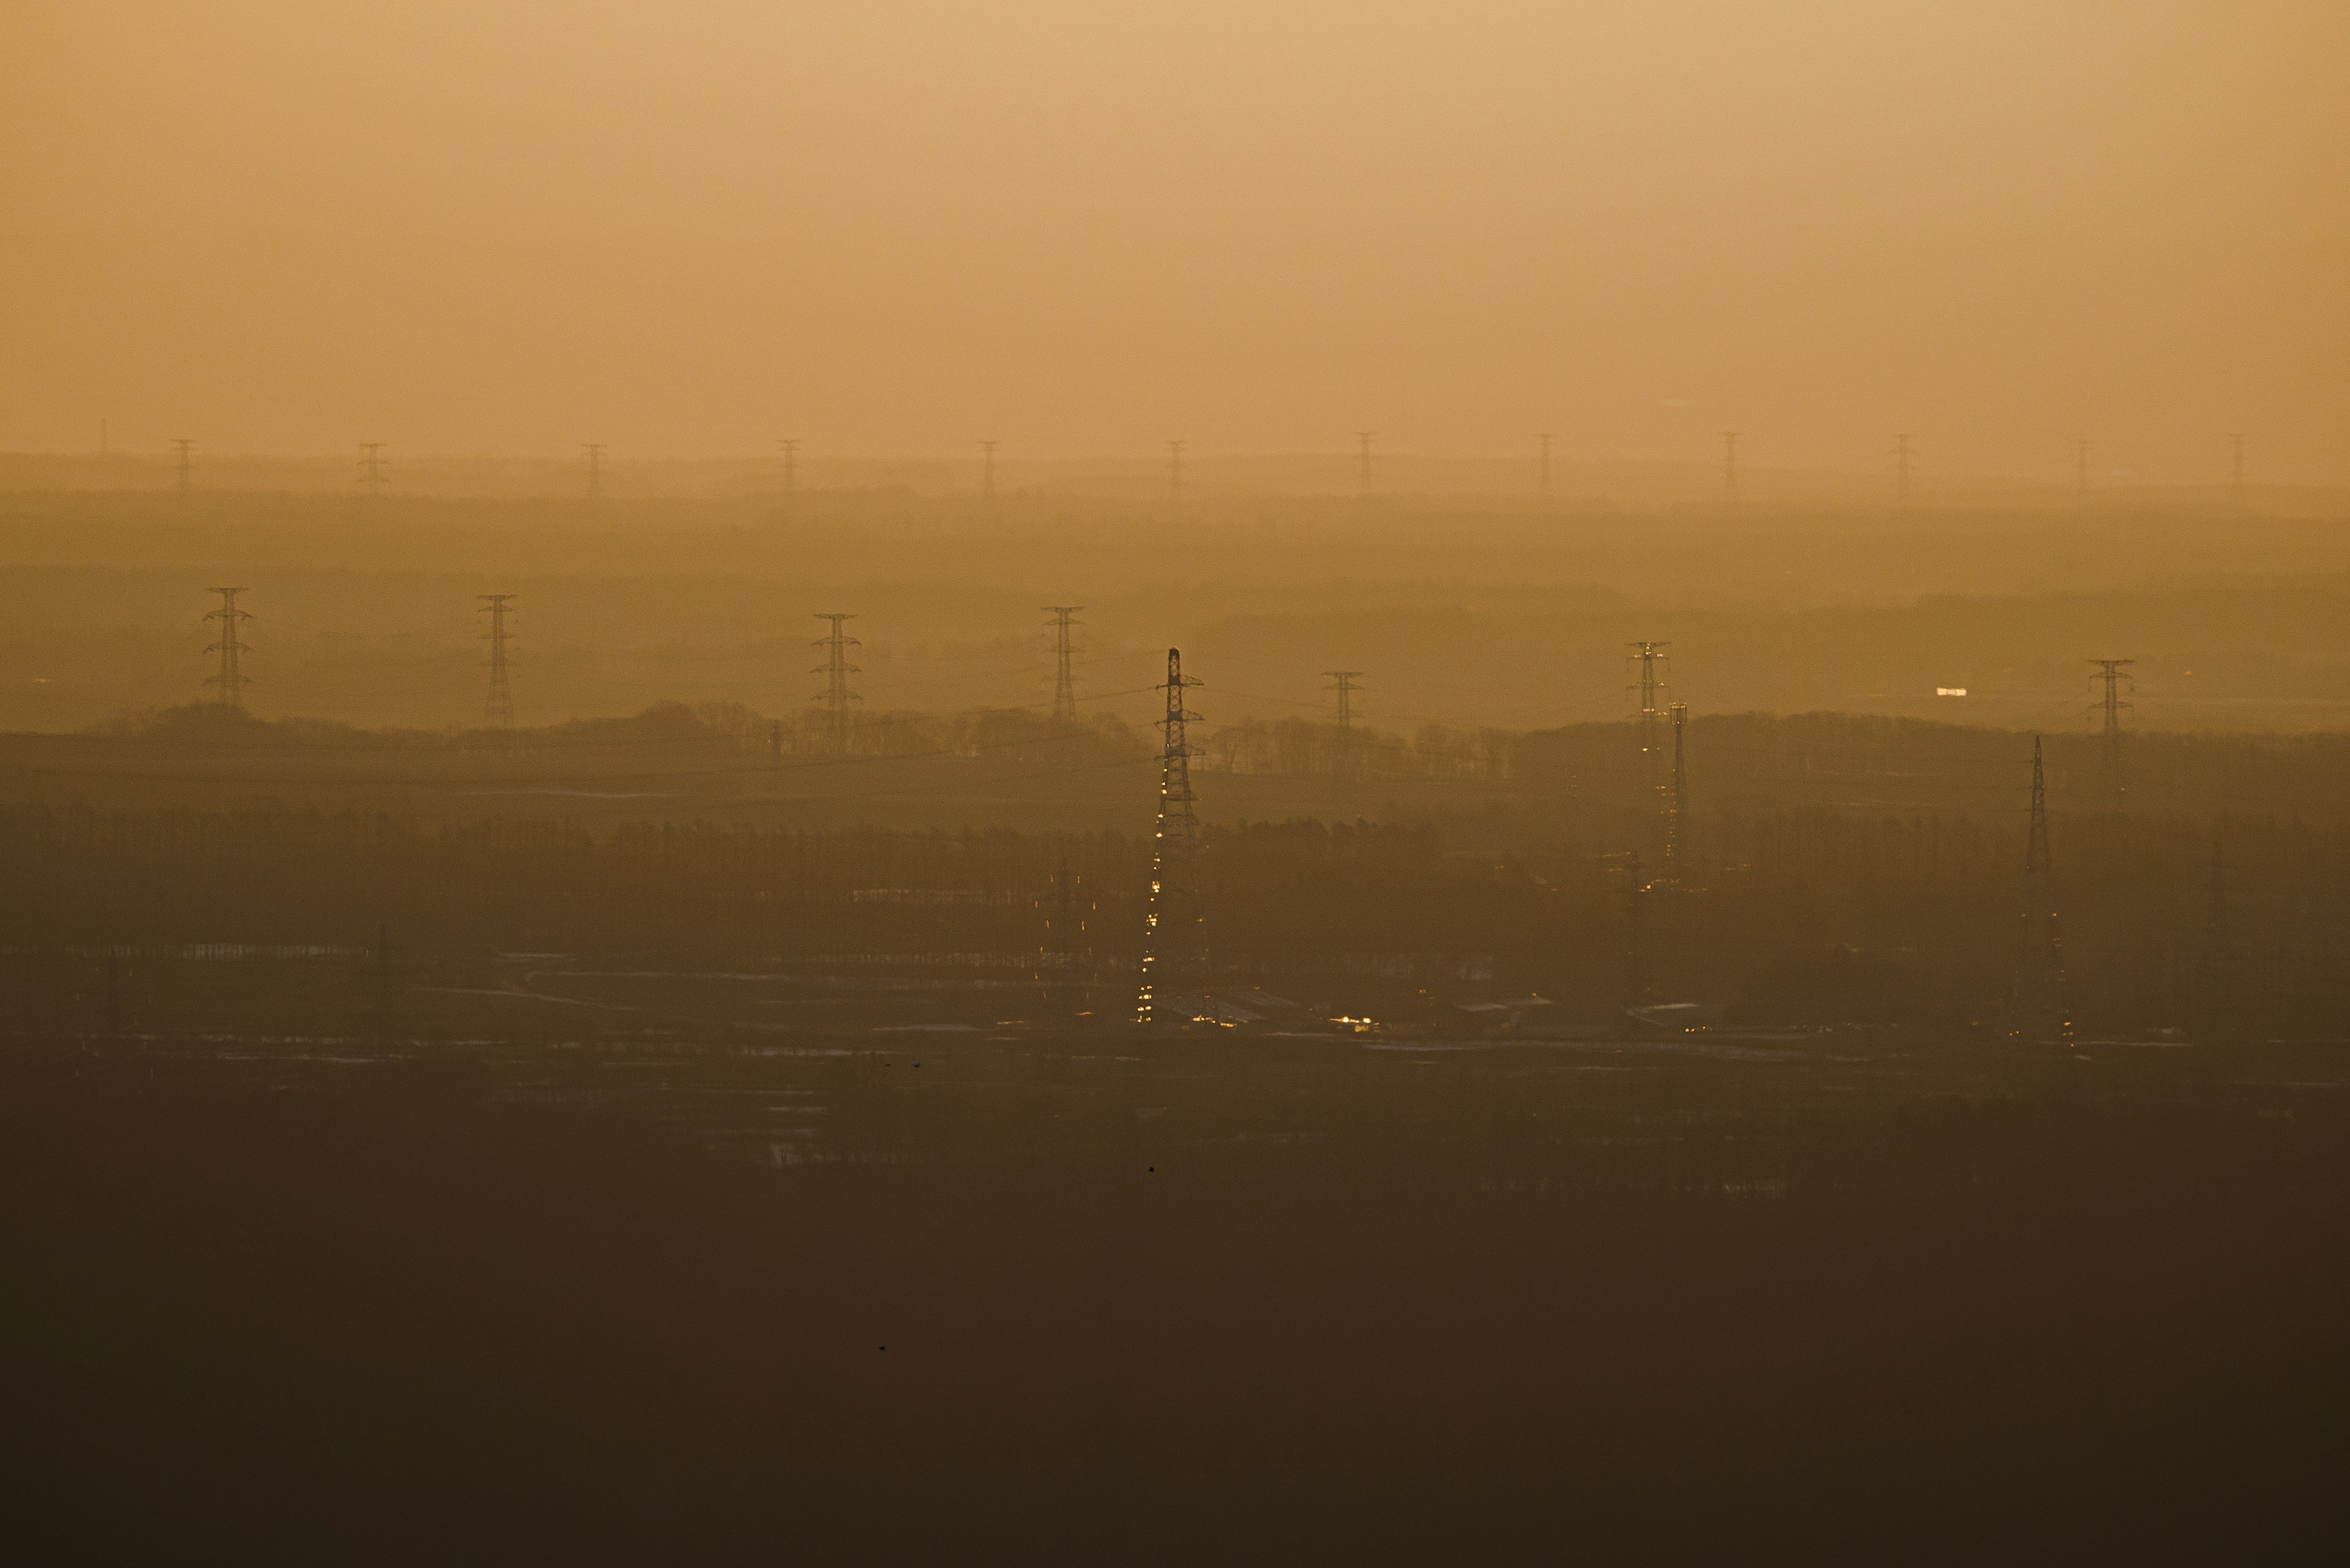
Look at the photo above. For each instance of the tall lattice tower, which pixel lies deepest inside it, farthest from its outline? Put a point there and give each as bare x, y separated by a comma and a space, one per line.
1174, 938
230, 682
371, 466
1065, 662
836, 670
184, 449
497, 712
1342, 681
1677, 806
2037, 1011
1644, 657
2108, 710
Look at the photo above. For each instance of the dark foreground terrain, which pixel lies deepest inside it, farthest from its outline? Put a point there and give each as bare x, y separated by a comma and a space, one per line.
1099, 1299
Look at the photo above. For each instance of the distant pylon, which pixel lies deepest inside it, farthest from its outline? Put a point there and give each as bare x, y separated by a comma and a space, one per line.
2081, 469
1901, 470
1342, 681
2236, 467
836, 670
2108, 710
595, 451
790, 447
987, 469
498, 713
230, 681
1363, 439
1677, 806
1545, 437
1175, 471
1065, 674
1174, 945
2036, 1005
371, 466
1645, 656
1730, 467
185, 446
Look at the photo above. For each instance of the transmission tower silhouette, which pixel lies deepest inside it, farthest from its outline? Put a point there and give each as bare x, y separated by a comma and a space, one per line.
987, 469
1175, 471
790, 448
1645, 656
1064, 674
1901, 470
2037, 1011
1363, 439
185, 446
1174, 939
1677, 805
836, 670
2108, 710
1545, 437
2236, 468
230, 682
371, 466
595, 451
1342, 681
498, 713
1730, 467
2081, 469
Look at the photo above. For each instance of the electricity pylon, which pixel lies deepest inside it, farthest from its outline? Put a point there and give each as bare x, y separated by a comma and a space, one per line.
230, 681
1174, 939
1064, 674
497, 712
2108, 710
836, 670
1342, 681
2037, 1011
371, 466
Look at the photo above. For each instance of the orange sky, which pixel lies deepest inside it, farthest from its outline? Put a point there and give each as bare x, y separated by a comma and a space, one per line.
891, 226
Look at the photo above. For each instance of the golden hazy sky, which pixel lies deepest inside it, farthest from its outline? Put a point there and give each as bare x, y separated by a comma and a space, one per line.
891, 226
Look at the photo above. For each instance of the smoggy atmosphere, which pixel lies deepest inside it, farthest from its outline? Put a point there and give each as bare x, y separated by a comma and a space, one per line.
1149, 783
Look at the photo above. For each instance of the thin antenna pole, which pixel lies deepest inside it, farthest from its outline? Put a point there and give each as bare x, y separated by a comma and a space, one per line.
497, 712
836, 670
230, 682
1065, 680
